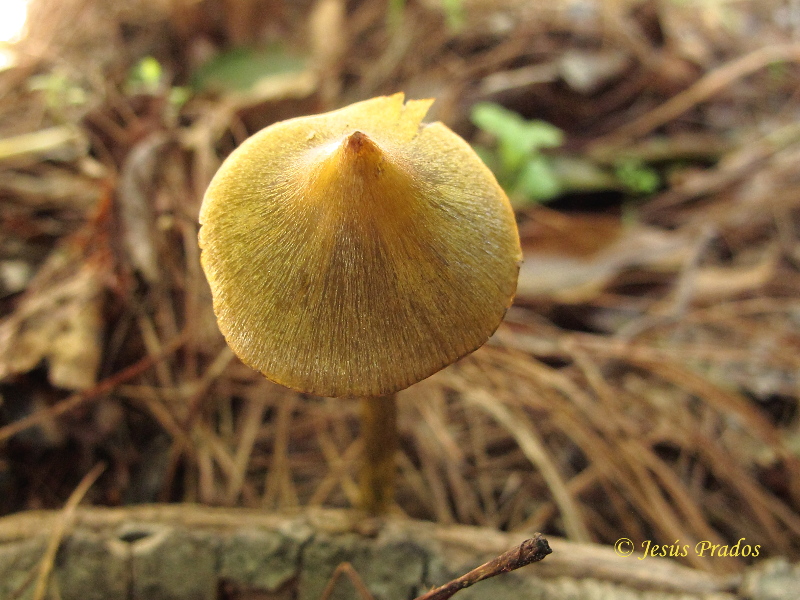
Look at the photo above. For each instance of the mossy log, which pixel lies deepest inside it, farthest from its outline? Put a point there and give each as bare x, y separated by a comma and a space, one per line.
187, 552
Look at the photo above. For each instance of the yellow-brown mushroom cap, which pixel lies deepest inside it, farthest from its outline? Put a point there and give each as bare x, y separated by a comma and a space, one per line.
356, 252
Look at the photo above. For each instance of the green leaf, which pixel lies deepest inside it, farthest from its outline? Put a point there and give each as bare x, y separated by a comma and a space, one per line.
540, 134
454, 14
518, 139
537, 181
179, 95
145, 77
394, 14
149, 71
494, 119
513, 155
240, 69
638, 177
519, 142
59, 90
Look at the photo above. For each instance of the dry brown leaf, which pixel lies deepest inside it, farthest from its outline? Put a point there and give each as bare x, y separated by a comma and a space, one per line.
59, 319
51, 188
571, 258
137, 182
60, 323
63, 143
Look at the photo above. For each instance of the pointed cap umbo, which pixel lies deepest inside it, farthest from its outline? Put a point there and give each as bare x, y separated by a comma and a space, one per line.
356, 252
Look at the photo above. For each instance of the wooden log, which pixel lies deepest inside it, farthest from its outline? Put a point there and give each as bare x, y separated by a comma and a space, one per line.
187, 552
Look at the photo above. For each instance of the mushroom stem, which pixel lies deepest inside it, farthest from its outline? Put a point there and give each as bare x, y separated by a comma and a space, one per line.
379, 436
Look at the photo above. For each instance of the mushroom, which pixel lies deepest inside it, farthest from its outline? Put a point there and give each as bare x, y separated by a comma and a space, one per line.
356, 252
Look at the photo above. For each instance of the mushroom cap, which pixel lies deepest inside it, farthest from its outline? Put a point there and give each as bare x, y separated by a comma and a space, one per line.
356, 252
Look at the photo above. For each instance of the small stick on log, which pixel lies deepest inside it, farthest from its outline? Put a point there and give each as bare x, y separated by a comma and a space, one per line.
529, 551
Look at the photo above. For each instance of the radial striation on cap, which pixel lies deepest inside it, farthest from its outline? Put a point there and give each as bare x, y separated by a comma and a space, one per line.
357, 252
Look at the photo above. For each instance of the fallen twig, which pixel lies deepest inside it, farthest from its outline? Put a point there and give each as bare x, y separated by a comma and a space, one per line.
704, 88
529, 551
